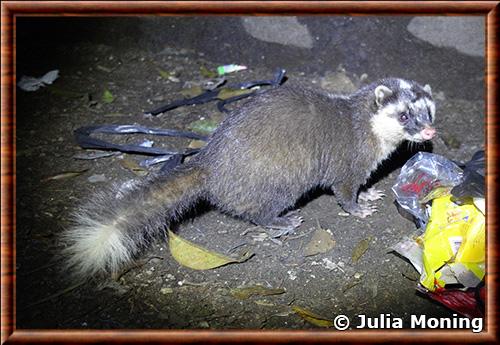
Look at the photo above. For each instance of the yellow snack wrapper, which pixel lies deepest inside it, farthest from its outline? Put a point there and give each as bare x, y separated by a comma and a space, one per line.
453, 245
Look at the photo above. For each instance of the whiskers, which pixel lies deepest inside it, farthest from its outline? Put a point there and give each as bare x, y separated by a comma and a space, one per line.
415, 146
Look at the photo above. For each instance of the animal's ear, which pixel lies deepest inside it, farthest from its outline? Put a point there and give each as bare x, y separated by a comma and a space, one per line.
381, 93
427, 88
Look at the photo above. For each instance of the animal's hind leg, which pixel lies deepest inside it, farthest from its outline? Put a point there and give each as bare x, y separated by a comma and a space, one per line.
286, 223
289, 221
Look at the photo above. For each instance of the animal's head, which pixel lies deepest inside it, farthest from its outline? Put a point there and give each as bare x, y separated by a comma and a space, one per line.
405, 110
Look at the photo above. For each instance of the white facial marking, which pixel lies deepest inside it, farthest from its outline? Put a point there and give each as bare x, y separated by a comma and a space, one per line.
418, 105
387, 129
432, 107
404, 84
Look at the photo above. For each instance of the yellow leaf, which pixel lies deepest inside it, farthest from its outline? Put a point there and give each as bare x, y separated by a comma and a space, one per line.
196, 257
312, 318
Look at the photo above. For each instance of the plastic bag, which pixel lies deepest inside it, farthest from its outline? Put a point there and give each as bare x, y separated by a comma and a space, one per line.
424, 177
473, 182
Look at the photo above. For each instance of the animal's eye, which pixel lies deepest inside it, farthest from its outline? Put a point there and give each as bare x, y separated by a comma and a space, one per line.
403, 117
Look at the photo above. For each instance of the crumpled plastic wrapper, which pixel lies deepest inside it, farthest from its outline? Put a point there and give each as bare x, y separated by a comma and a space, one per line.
424, 177
452, 249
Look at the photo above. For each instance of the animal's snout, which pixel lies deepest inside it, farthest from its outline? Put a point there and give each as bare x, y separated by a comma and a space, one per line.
428, 133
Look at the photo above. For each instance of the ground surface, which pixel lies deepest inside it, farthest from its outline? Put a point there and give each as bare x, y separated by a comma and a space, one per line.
159, 293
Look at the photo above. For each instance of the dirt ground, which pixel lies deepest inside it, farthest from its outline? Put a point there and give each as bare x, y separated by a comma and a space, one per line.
159, 293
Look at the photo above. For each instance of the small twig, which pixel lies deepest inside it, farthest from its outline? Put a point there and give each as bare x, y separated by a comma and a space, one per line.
299, 236
237, 246
137, 264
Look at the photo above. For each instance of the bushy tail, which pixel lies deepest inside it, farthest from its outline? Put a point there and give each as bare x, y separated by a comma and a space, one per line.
115, 225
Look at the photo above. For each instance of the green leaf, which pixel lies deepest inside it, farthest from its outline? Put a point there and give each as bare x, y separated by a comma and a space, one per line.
107, 97
205, 126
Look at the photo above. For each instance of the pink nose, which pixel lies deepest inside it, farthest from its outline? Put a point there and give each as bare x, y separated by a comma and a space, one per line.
428, 133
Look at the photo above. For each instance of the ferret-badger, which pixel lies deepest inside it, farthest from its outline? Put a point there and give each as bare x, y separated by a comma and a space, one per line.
260, 160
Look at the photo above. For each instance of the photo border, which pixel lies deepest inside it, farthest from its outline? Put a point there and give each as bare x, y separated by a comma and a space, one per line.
11, 9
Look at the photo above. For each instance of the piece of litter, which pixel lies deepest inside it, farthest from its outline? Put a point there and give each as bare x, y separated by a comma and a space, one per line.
328, 264
32, 84
230, 68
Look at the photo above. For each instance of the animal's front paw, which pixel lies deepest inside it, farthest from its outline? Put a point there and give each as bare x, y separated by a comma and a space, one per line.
363, 210
371, 194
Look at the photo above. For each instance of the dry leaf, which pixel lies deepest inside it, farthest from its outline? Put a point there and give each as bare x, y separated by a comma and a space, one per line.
312, 318
321, 242
196, 257
360, 249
